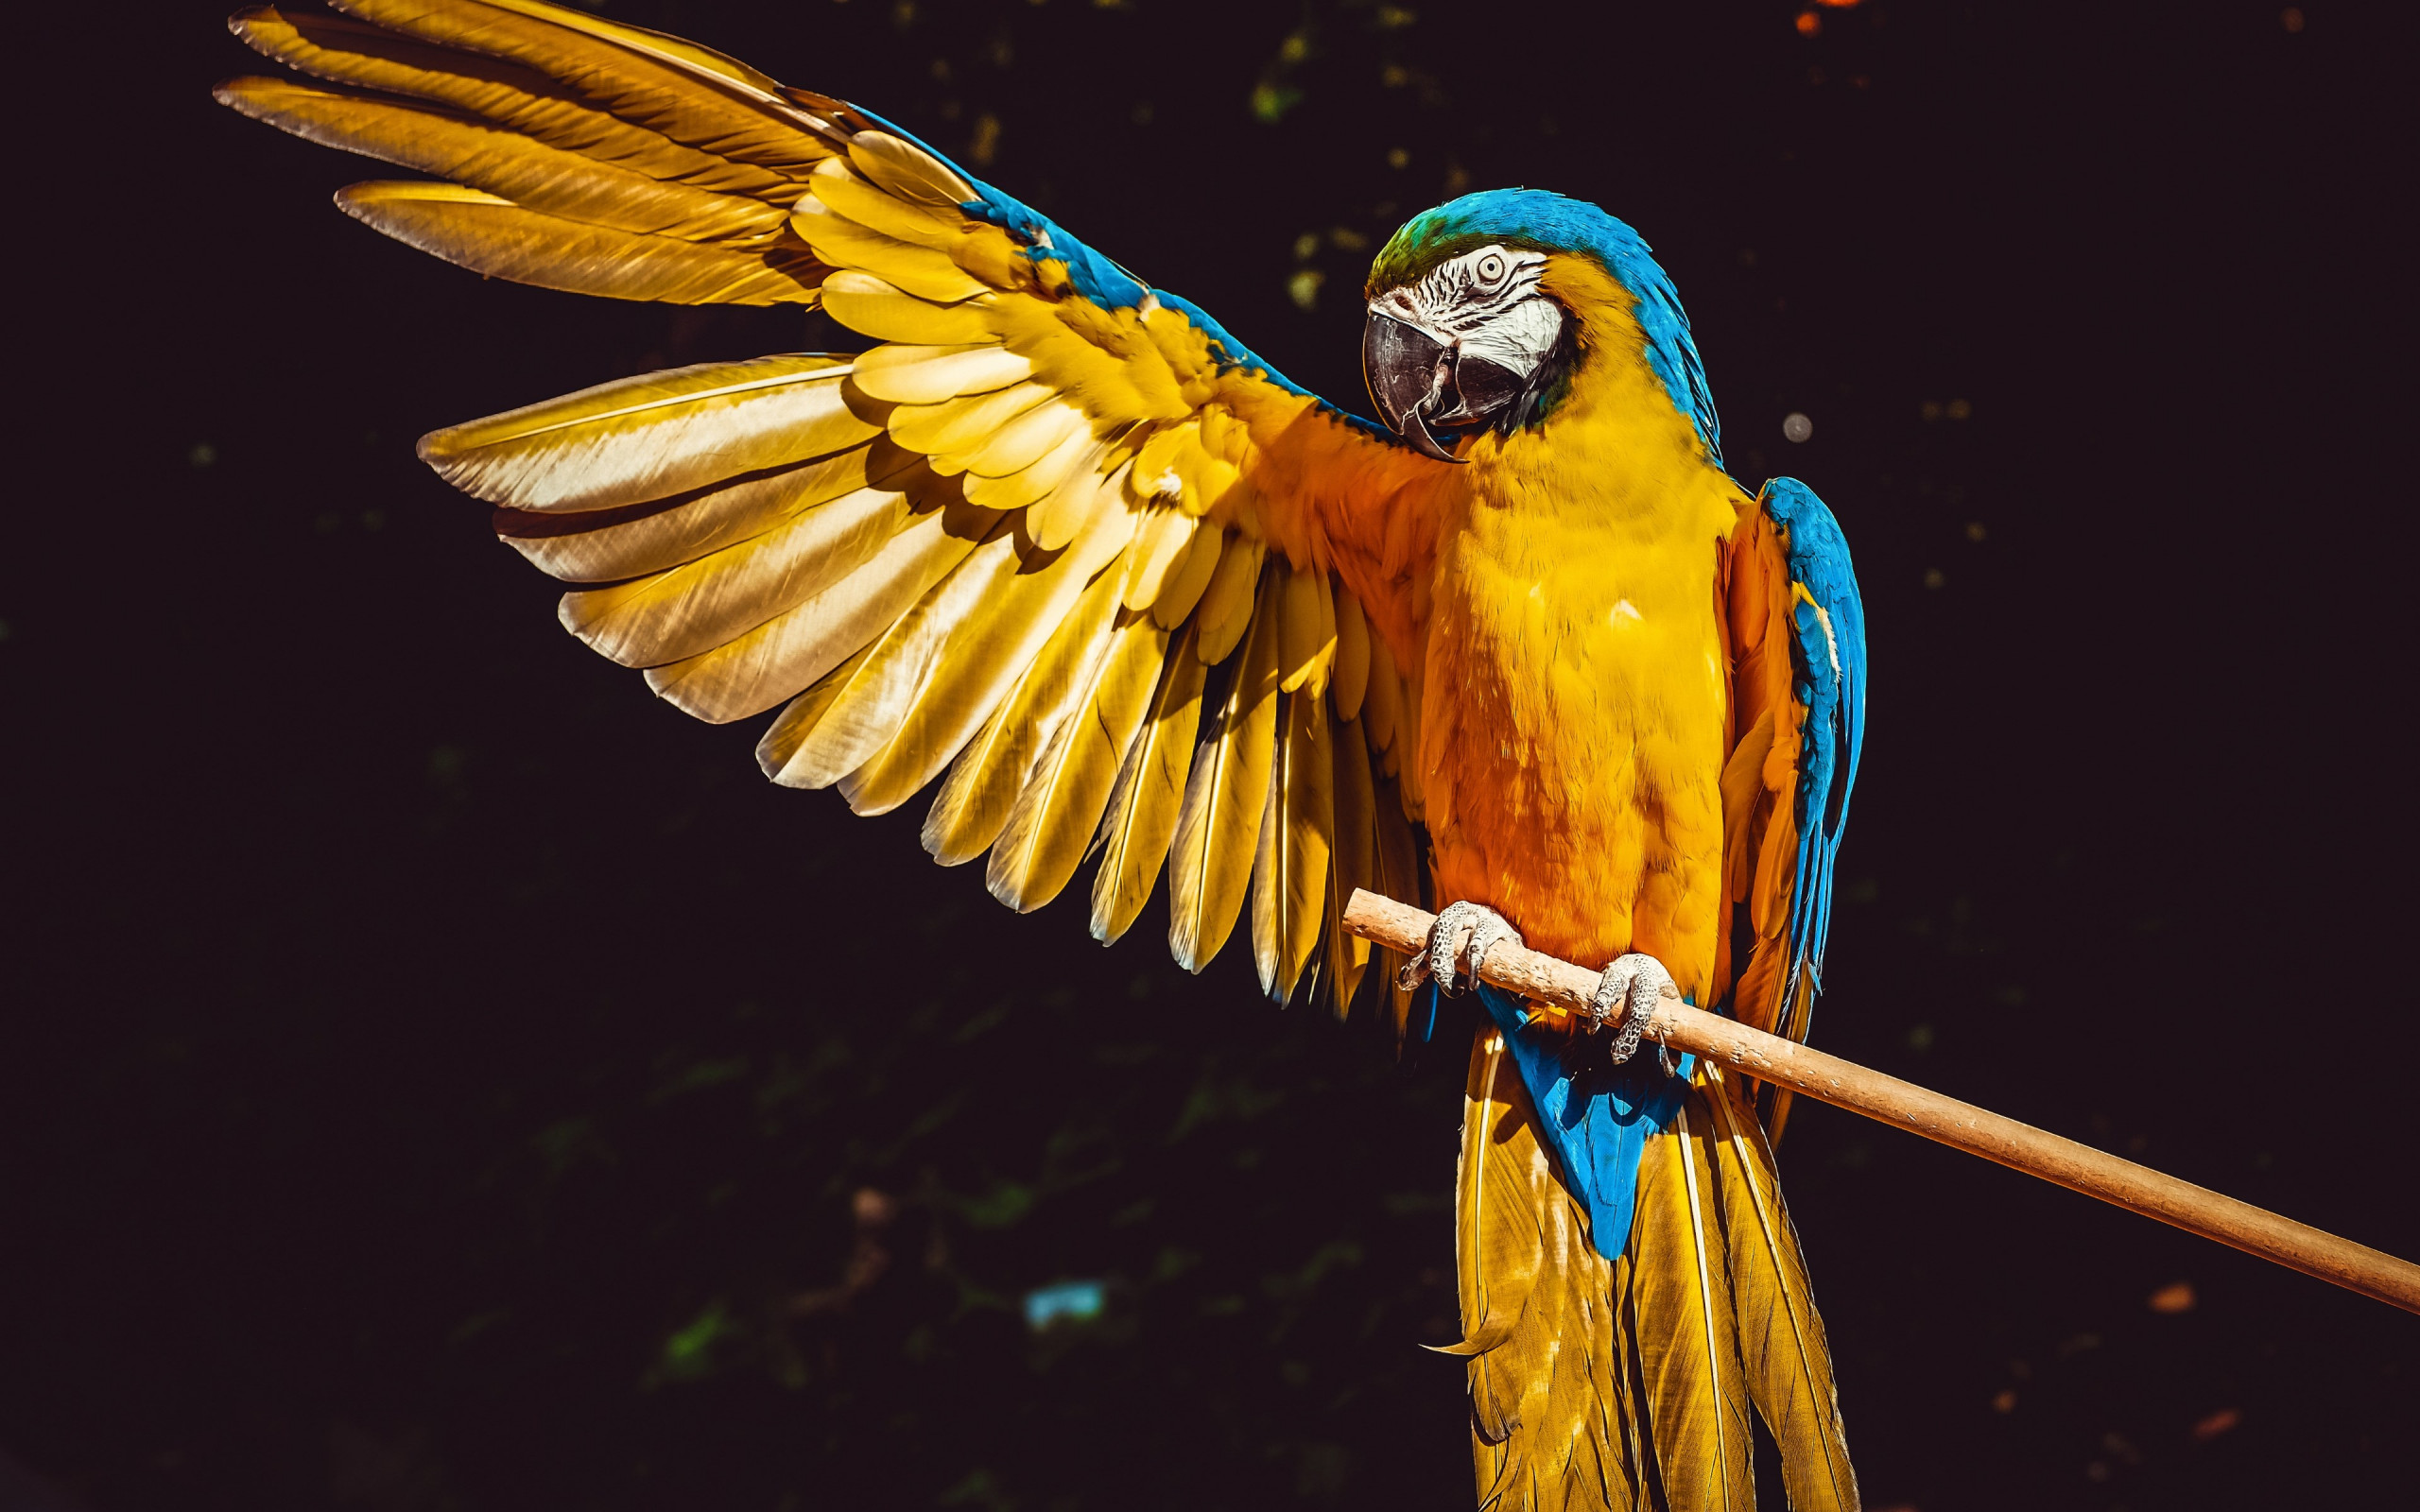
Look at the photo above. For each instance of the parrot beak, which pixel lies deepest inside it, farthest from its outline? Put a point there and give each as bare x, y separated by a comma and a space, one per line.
1409, 372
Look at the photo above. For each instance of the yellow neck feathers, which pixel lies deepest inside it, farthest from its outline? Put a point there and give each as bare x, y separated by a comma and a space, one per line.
1615, 445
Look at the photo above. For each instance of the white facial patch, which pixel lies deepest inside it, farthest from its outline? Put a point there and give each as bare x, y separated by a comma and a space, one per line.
1484, 302
1518, 339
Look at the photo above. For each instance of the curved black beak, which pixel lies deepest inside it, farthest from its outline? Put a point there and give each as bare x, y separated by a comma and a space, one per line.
1408, 373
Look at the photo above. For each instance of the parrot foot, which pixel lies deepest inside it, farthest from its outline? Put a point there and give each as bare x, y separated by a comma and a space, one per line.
1628, 991
1487, 928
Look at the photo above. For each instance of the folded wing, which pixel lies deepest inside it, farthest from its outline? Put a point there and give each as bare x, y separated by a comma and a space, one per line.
1056, 540
1797, 632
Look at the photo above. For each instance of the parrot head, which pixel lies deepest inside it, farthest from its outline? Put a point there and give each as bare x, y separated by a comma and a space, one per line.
1467, 329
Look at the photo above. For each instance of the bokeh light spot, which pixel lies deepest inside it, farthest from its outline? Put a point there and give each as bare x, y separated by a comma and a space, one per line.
1072, 1301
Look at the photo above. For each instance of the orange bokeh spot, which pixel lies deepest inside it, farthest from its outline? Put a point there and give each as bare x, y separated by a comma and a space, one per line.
2218, 1422
1809, 23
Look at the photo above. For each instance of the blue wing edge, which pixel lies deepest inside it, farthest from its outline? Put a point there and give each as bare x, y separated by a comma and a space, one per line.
1828, 657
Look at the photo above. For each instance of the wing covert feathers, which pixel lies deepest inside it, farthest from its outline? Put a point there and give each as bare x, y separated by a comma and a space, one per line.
1075, 556
1628, 1384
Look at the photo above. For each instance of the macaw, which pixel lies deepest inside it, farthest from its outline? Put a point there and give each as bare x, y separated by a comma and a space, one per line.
1062, 543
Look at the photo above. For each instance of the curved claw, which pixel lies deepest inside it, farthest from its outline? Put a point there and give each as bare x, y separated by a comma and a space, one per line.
1628, 991
1487, 928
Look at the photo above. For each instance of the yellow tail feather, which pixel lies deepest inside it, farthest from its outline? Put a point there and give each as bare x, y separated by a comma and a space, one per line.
1631, 1384
1551, 1424
1680, 1306
1781, 1337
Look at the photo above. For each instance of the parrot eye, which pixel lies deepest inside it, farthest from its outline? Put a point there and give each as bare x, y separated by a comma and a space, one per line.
1490, 269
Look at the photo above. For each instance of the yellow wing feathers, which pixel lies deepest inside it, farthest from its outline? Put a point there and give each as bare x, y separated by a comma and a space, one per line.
1069, 556
580, 156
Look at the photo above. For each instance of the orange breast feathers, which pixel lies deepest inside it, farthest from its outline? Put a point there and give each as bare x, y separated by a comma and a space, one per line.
1575, 706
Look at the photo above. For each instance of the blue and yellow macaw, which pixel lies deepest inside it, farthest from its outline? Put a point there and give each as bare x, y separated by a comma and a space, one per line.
1061, 542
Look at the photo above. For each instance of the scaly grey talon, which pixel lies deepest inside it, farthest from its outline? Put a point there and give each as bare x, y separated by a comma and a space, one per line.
1628, 991
1487, 928
1487, 931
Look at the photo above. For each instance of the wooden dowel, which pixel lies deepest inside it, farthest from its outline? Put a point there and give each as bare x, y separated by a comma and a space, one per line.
1961, 1125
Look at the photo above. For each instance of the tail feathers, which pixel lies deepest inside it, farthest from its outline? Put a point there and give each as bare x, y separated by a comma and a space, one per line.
1631, 1384
1781, 1337
1553, 1423
1686, 1334
1500, 1246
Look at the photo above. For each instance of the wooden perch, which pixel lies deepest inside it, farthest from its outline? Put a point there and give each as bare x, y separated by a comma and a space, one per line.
1561, 986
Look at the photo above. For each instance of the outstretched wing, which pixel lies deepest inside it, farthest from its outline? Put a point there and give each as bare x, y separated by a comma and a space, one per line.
1058, 536
1798, 695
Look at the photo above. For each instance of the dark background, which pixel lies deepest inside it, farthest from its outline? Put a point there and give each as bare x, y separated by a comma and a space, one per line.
441, 1077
